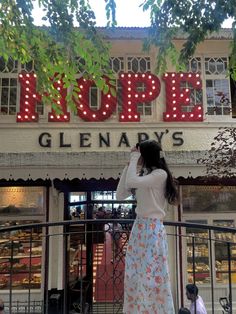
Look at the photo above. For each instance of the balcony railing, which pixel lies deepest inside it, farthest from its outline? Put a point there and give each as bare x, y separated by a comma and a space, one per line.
78, 266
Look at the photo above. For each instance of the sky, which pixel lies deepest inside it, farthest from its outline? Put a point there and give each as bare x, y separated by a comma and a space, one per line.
128, 13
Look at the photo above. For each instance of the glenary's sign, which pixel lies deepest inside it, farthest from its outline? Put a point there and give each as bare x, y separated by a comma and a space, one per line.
177, 97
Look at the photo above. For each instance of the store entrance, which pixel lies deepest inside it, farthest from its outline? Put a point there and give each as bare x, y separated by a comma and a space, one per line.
92, 253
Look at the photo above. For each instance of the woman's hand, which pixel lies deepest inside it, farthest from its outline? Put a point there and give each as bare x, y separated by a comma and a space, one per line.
134, 149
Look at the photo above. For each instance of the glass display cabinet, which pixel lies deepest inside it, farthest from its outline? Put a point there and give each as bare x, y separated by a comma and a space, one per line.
21, 251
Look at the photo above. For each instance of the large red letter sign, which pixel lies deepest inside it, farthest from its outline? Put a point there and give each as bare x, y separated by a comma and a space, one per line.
132, 95
61, 103
108, 103
28, 98
177, 97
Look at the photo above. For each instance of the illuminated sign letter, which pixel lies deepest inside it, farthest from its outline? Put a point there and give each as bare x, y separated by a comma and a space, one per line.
85, 112
28, 98
178, 96
137, 88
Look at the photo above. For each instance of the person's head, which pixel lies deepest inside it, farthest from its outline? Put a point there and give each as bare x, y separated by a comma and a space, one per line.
152, 158
184, 310
191, 292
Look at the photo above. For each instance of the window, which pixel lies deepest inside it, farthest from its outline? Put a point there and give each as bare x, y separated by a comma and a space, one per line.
213, 73
205, 199
217, 86
9, 86
138, 64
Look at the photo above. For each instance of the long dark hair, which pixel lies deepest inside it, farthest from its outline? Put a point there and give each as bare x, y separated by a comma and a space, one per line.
152, 158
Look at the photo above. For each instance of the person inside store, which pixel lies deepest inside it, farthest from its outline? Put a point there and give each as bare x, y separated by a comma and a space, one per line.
101, 213
197, 305
184, 310
147, 286
1, 306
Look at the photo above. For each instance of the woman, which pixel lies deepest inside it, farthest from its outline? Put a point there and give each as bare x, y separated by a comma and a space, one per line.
147, 283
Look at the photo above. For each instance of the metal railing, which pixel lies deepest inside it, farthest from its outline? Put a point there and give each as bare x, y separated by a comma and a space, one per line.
78, 266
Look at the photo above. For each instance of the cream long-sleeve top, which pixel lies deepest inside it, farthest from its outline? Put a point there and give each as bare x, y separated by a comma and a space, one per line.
149, 189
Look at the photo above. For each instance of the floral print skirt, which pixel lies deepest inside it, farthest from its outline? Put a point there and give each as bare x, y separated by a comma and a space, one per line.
147, 282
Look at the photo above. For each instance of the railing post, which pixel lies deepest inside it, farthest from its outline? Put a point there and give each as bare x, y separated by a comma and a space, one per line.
211, 272
194, 273
230, 279
89, 257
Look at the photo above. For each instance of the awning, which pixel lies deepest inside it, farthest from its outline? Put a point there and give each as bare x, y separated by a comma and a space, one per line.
87, 165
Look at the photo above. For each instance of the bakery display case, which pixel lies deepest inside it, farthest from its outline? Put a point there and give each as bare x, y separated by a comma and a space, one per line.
197, 259
21, 250
20, 257
222, 252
